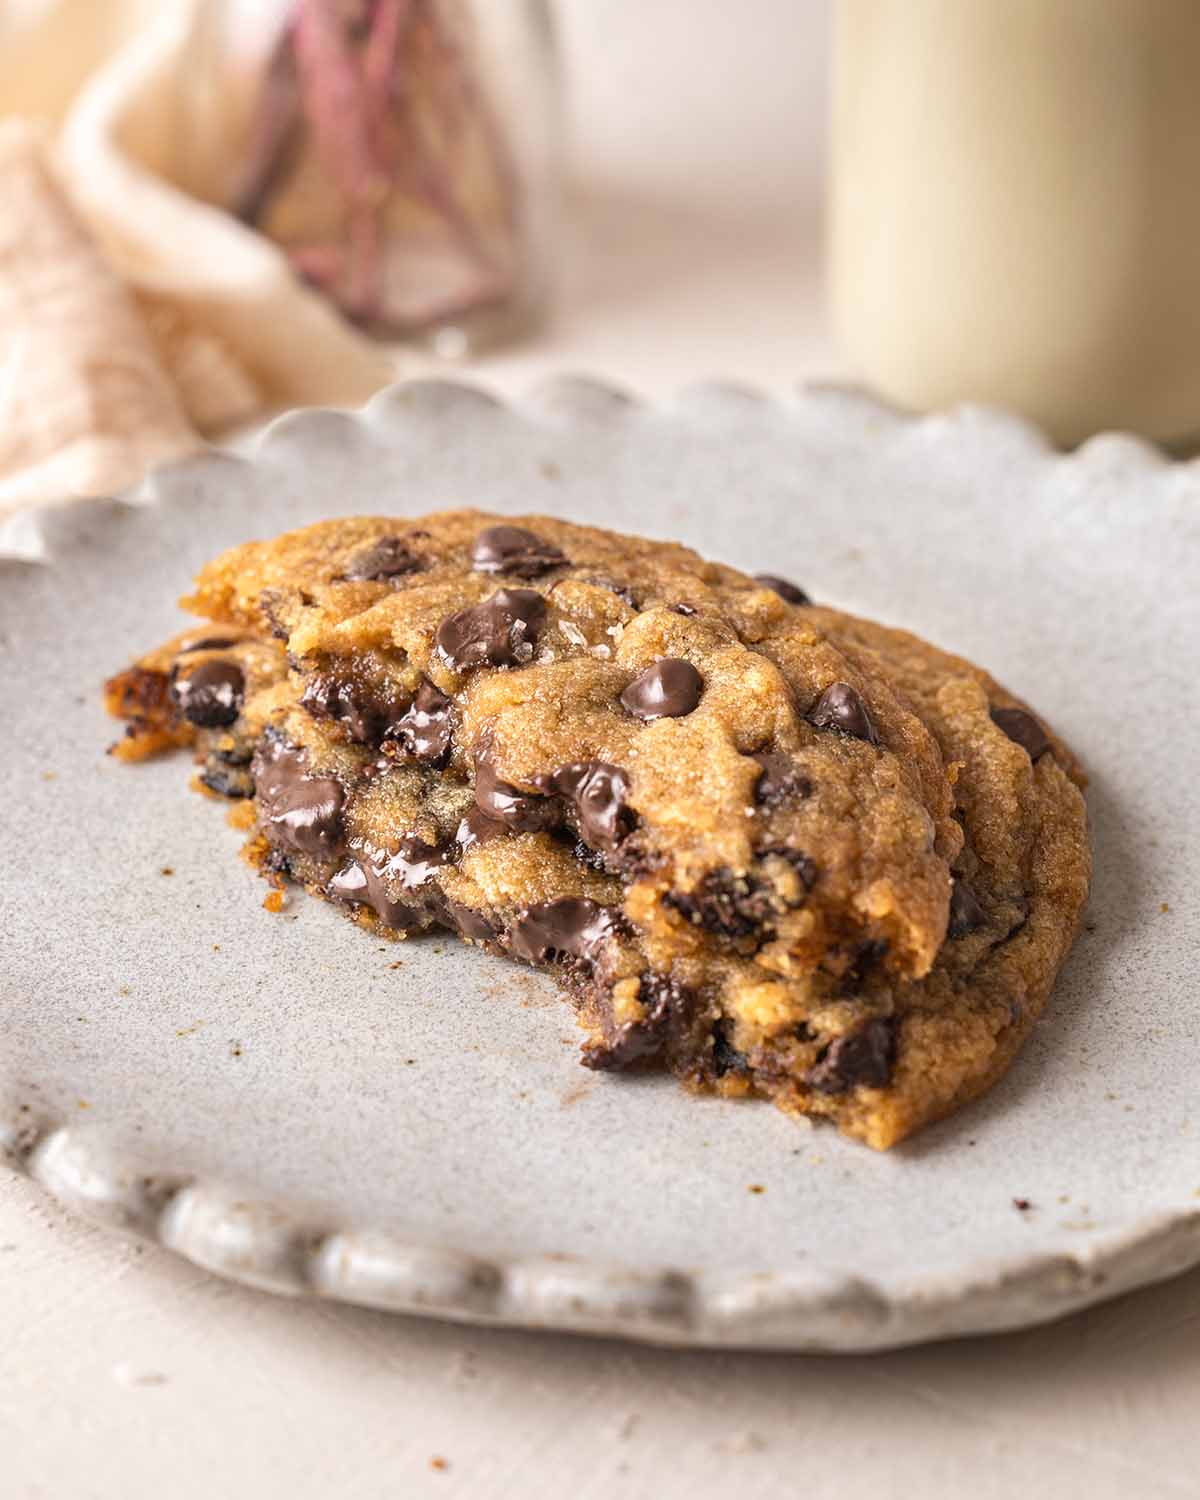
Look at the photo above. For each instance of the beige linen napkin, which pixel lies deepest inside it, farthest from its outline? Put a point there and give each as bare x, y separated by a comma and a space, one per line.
85, 405
131, 312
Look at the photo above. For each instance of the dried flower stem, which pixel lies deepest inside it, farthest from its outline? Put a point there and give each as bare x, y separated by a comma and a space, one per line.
387, 94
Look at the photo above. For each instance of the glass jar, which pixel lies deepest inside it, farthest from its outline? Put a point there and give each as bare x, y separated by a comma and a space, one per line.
1015, 207
400, 152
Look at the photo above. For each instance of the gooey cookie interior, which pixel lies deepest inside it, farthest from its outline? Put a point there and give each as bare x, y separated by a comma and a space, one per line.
770, 847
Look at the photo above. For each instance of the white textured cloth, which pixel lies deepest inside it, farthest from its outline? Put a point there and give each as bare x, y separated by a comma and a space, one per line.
132, 314
85, 404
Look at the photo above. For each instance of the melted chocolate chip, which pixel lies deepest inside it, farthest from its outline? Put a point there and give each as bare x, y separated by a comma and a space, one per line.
500, 632
210, 696
572, 929
861, 1059
781, 586
966, 913
780, 779
667, 690
365, 712
597, 792
841, 707
301, 811
670, 1011
423, 732
387, 558
471, 924
359, 883
371, 879
1023, 729
512, 549
477, 828
523, 812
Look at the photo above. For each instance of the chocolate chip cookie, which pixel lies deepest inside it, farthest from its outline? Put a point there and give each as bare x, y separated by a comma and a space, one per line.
773, 848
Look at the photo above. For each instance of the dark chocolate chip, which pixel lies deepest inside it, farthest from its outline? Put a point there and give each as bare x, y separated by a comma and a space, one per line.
780, 779
477, 828
597, 792
572, 929
210, 643
366, 713
512, 549
523, 812
667, 690
781, 586
1023, 729
862, 1058
684, 609
372, 877
413, 861
423, 731
670, 1010
500, 801
966, 913
301, 811
841, 707
210, 696
387, 558
500, 632
471, 924
725, 1056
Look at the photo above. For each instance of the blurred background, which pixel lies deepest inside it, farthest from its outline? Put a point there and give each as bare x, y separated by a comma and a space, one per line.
216, 209
673, 154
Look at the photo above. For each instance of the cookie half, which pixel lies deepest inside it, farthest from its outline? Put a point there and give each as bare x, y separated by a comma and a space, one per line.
773, 848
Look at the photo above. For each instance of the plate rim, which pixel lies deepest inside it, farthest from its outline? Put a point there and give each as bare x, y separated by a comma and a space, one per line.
275, 1248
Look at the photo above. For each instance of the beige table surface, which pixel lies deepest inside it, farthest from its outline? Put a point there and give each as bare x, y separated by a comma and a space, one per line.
125, 1373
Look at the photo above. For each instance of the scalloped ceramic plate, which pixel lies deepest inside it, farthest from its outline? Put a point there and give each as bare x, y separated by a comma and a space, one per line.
290, 1103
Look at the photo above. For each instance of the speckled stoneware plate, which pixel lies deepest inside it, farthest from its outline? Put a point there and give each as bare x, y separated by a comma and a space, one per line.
291, 1103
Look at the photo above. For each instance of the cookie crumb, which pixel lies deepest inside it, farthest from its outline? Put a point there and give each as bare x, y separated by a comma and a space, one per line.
273, 901
439, 1463
1022, 1205
1165, 907
167, 870
757, 1187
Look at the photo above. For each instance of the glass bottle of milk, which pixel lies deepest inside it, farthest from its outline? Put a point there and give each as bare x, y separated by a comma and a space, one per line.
1015, 208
